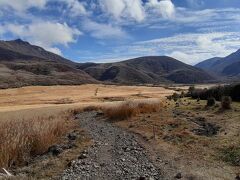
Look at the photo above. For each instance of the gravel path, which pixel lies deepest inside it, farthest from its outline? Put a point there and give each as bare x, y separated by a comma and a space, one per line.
116, 154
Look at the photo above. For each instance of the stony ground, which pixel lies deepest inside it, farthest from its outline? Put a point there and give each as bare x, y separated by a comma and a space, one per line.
115, 154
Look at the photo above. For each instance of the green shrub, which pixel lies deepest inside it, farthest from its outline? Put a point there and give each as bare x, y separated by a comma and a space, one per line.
217, 92
191, 89
182, 94
211, 101
175, 97
231, 155
226, 102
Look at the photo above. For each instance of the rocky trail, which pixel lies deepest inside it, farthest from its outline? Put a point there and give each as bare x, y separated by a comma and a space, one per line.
115, 154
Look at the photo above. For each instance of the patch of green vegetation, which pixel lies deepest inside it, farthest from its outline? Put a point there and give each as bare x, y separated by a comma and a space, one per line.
217, 92
231, 155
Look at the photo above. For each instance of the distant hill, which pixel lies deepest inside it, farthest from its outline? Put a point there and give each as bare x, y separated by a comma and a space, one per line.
23, 64
151, 70
228, 66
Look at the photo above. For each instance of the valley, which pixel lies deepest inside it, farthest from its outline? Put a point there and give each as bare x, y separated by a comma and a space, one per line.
196, 135
119, 90
76, 117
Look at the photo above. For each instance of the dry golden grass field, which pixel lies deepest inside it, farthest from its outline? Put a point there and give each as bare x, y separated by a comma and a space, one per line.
36, 101
32, 119
204, 142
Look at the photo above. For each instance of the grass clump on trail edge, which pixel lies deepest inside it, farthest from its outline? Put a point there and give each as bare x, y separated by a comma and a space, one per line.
76, 111
126, 110
231, 155
24, 139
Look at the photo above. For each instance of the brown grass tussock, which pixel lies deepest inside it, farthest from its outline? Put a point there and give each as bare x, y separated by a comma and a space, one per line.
126, 110
23, 139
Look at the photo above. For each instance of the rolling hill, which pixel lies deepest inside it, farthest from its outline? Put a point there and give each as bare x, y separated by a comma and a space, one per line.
150, 70
22, 64
228, 66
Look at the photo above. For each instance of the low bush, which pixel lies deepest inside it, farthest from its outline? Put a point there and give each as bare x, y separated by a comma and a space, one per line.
130, 109
217, 92
121, 112
226, 102
211, 101
175, 97
191, 89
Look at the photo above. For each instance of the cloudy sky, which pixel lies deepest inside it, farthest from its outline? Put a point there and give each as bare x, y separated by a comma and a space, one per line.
112, 30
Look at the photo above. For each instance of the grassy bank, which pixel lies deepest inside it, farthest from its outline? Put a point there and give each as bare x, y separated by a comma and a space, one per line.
24, 139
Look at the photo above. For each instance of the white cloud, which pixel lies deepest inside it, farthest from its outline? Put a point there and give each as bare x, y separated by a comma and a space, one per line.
45, 34
113, 7
54, 50
207, 20
137, 10
165, 8
104, 31
187, 57
22, 5
189, 48
112, 19
124, 8
75, 7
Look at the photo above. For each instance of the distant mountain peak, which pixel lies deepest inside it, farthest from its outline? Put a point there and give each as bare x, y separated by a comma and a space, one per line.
20, 41
228, 66
25, 48
24, 64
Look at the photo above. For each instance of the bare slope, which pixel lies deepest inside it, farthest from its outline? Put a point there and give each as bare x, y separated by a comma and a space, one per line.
23, 64
152, 69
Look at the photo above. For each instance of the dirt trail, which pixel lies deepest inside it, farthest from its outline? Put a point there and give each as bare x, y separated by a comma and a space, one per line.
116, 154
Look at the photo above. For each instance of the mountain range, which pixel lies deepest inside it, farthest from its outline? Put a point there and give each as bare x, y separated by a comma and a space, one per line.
228, 66
23, 64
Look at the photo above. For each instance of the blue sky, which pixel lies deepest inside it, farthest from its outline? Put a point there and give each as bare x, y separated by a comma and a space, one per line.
113, 30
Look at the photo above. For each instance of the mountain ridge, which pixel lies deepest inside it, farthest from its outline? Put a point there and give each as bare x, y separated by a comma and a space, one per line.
23, 64
228, 66
152, 69
25, 48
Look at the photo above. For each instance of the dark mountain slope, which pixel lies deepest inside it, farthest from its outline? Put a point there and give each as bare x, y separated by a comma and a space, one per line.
232, 70
153, 69
207, 64
25, 48
220, 65
9, 55
22, 64
228, 66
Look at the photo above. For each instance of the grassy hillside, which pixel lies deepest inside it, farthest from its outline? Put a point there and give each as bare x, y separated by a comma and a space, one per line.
155, 69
